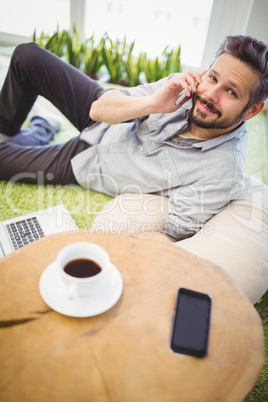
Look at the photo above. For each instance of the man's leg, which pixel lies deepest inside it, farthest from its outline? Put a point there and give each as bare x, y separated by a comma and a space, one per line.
35, 71
41, 164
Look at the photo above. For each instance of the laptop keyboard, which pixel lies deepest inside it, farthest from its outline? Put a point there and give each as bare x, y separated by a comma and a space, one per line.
24, 232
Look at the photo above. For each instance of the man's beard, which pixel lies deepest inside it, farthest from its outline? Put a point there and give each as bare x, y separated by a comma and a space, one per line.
201, 119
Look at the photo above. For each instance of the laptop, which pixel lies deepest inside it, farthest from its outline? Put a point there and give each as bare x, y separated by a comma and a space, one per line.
18, 232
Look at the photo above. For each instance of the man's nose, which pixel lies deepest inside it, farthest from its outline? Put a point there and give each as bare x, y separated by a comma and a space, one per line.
213, 94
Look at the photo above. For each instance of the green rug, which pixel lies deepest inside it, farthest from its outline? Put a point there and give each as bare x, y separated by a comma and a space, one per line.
18, 199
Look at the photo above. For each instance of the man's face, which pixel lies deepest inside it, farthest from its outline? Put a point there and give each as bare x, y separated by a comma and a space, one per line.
221, 99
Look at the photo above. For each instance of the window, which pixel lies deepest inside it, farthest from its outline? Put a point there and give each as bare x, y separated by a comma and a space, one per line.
22, 17
153, 24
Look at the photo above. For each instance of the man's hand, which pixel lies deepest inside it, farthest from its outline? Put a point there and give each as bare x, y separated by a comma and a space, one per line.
165, 97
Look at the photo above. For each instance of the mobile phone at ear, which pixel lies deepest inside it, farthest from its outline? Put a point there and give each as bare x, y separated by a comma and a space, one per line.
182, 95
191, 323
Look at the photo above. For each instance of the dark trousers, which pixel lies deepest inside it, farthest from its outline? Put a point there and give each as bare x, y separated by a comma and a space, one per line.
35, 71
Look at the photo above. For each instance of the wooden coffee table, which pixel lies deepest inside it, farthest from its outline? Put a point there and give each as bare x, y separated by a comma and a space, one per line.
123, 354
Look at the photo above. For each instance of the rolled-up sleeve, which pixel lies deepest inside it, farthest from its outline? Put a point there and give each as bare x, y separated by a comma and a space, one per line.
192, 206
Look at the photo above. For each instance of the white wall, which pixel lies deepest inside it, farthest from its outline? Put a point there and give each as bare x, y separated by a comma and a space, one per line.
257, 24
228, 17
235, 17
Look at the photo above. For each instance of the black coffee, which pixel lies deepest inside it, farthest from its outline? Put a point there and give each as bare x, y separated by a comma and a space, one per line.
82, 268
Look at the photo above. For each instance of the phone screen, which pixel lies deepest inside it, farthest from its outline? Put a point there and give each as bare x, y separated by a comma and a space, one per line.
191, 323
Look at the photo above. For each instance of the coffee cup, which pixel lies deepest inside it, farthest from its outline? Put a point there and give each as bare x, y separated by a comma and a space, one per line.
82, 268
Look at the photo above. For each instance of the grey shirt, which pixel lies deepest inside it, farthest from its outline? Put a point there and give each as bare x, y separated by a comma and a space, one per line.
142, 156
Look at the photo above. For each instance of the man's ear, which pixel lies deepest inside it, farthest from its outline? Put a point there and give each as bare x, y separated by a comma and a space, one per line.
254, 110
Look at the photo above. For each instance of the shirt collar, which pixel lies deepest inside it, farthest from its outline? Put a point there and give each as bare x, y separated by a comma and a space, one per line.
214, 142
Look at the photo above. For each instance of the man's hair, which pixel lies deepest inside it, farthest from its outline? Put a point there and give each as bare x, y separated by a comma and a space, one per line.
255, 54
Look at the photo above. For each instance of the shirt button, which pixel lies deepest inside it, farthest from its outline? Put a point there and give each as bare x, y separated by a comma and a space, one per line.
141, 148
166, 171
153, 143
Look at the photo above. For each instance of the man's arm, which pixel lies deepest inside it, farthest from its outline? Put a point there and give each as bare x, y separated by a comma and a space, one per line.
115, 107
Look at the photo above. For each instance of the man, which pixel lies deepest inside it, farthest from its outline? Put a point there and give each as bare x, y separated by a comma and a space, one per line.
138, 139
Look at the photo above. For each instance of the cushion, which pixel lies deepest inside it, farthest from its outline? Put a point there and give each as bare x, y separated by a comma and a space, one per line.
132, 213
236, 238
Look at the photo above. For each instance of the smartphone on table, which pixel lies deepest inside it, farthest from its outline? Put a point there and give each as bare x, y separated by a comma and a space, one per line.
191, 323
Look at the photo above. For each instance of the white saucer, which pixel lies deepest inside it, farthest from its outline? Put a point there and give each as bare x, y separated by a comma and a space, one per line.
54, 294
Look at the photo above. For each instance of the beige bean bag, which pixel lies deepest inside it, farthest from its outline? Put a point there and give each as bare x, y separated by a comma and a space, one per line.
236, 239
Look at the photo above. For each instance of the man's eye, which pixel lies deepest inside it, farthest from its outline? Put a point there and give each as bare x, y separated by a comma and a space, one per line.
212, 78
232, 93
